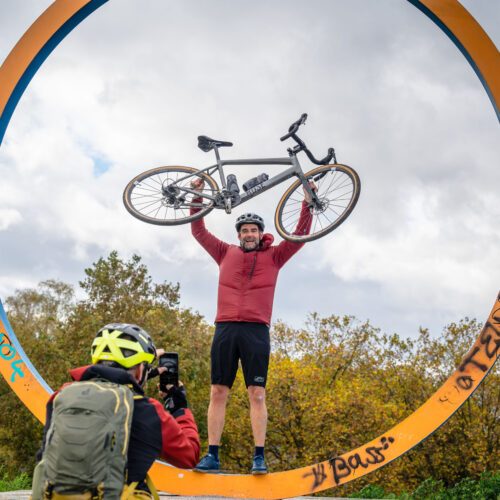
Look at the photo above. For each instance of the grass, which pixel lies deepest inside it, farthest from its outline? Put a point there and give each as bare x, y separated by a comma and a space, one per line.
487, 487
20, 482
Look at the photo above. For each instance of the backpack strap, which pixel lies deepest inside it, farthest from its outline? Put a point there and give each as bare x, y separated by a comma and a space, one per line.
152, 487
76, 496
97, 494
130, 492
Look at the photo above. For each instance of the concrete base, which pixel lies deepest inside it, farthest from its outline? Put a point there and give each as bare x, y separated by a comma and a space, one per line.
25, 494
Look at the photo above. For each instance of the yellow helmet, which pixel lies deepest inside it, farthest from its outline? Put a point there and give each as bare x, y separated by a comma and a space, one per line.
127, 345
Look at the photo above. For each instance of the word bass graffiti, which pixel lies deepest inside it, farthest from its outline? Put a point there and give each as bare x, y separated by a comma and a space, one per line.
344, 467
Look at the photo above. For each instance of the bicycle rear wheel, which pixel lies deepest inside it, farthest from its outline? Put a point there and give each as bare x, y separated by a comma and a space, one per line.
338, 190
159, 196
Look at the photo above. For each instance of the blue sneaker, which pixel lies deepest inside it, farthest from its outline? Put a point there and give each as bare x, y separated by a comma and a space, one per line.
208, 464
259, 465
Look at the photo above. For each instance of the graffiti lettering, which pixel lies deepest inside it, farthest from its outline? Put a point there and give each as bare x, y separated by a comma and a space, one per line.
8, 353
469, 359
489, 341
496, 316
465, 382
450, 395
318, 472
487, 335
344, 467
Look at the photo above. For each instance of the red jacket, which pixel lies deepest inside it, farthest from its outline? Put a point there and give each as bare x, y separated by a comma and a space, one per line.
247, 280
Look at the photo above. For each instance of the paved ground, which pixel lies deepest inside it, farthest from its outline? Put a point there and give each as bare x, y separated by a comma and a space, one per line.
24, 495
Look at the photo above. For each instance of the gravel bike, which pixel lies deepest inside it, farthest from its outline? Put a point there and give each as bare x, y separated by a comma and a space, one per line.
166, 196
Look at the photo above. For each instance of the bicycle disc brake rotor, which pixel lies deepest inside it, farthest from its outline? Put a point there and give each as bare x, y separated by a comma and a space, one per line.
324, 203
170, 193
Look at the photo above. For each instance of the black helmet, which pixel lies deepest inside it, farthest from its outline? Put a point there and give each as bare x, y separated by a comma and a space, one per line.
124, 344
249, 219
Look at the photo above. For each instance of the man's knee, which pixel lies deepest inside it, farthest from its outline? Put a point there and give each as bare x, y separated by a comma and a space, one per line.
257, 395
219, 394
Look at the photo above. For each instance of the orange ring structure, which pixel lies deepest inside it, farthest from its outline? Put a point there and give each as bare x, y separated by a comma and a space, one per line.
15, 74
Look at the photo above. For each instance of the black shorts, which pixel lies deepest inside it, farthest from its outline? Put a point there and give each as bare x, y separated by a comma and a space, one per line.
237, 340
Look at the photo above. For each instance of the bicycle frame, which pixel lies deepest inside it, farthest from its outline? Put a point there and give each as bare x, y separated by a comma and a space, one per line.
294, 170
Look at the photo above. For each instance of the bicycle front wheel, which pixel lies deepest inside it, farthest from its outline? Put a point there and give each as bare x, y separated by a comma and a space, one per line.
338, 191
162, 196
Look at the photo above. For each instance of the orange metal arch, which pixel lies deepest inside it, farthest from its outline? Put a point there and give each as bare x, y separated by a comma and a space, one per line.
16, 72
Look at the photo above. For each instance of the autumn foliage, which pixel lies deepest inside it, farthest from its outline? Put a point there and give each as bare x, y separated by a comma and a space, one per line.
333, 385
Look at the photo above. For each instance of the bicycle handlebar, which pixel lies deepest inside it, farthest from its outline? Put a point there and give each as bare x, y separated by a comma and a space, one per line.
327, 159
294, 127
292, 133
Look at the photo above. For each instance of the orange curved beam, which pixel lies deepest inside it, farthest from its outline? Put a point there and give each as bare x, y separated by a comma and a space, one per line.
16, 72
34, 47
466, 33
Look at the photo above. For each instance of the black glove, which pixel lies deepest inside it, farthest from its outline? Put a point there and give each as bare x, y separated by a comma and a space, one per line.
176, 399
153, 372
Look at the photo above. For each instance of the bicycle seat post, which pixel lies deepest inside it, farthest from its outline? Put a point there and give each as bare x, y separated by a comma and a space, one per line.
219, 165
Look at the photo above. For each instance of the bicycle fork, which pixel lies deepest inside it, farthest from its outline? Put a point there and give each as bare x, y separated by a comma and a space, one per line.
315, 201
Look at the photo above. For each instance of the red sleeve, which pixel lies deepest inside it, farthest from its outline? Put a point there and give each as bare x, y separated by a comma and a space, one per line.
286, 249
180, 439
215, 247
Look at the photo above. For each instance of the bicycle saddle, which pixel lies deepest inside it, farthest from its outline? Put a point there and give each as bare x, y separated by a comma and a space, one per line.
206, 144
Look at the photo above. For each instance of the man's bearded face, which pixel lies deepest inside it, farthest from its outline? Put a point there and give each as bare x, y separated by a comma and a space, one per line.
249, 236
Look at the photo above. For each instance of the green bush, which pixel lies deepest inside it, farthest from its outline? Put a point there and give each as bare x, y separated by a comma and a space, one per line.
487, 487
372, 491
20, 482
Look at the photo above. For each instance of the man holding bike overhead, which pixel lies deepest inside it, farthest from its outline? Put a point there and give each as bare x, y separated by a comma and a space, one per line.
247, 279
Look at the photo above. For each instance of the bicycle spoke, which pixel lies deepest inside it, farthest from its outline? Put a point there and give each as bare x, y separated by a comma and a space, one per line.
151, 211
338, 215
159, 208
294, 210
154, 179
329, 221
347, 183
333, 183
146, 200
289, 217
146, 204
314, 227
147, 187
141, 195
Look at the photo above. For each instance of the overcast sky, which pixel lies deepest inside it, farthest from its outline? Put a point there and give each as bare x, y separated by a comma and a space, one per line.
134, 85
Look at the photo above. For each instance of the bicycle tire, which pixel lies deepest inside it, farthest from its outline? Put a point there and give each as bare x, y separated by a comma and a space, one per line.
144, 198
340, 197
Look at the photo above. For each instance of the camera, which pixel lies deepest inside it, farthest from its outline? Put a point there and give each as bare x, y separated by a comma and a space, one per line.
170, 361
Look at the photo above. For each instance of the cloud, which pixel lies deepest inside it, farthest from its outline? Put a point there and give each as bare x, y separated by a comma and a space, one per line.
133, 86
8, 217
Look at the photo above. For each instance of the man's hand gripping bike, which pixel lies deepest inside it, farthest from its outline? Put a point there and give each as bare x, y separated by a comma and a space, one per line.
166, 195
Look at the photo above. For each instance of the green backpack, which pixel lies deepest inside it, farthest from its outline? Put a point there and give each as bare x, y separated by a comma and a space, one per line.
87, 442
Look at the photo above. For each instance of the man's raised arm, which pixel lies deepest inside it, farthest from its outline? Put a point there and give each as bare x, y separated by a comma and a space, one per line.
215, 247
286, 249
